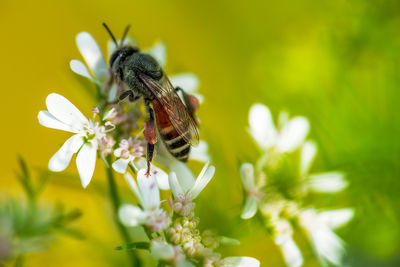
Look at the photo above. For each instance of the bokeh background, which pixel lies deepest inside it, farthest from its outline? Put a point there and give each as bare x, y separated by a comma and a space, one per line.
336, 62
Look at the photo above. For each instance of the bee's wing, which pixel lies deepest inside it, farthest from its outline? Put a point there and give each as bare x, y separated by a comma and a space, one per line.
177, 113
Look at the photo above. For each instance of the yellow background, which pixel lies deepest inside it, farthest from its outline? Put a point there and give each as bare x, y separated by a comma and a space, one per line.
335, 62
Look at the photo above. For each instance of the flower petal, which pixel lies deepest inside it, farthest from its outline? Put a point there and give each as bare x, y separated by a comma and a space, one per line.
308, 152
184, 174
48, 120
336, 218
327, 244
174, 185
86, 162
79, 68
159, 52
189, 82
200, 152
134, 187
290, 251
262, 127
328, 182
160, 175
293, 134
92, 54
247, 176
120, 165
240, 262
62, 158
65, 111
148, 189
162, 251
131, 215
112, 92
250, 208
205, 176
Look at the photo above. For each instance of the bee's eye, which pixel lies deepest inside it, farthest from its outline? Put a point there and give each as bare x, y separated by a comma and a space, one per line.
114, 56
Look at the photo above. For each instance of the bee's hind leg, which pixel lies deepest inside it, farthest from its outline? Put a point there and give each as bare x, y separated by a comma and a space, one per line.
191, 102
151, 137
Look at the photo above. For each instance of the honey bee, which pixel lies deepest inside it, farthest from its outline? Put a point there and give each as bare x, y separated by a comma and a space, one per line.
145, 79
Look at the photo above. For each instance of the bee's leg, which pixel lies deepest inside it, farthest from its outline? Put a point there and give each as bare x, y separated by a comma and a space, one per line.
191, 102
151, 137
125, 94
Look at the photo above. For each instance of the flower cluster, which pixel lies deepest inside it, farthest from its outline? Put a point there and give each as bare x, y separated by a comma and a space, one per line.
115, 134
173, 234
277, 184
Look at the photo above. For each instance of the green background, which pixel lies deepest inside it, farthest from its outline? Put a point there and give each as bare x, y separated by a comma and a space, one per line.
335, 62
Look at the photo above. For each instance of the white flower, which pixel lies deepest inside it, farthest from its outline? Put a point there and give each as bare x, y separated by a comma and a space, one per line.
128, 150
148, 194
63, 115
252, 191
239, 262
182, 186
320, 226
287, 138
328, 182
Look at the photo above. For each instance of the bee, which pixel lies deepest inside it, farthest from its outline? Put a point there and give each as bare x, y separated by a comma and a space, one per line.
174, 121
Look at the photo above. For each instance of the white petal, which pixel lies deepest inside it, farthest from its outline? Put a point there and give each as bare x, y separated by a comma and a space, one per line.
205, 176
162, 251
86, 161
149, 190
250, 208
247, 176
290, 251
79, 67
160, 175
240, 262
120, 165
308, 152
92, 54
292, 135
200, 152
112, 93
65, 111
189, 82
183, 173
62, 158
48, 120
131, 215
336, 218
174, 185
159, 52
134, 187
109, 114
262, 127
329, 182
327, 244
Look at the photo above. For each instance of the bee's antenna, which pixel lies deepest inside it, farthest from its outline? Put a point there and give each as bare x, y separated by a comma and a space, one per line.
125, 33
112, 35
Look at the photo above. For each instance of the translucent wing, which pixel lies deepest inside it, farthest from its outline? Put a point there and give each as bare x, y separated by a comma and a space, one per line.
177, 113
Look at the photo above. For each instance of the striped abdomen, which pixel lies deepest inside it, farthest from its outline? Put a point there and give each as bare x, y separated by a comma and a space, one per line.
174, 141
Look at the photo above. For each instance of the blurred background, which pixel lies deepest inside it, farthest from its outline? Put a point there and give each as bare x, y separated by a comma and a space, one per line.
335, 62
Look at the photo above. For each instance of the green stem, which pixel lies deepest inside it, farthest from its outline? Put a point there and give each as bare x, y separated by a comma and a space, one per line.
116, 202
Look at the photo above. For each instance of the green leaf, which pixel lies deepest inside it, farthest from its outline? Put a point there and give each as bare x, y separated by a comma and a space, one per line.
134, 245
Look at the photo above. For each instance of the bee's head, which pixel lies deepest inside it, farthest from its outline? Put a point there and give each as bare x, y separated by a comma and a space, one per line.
121, 54
121, 51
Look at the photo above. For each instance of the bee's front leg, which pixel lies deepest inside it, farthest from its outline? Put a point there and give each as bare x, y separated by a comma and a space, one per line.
151, 137
191, 102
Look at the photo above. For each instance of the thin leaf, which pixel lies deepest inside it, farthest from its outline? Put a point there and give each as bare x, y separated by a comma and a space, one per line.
134, 245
